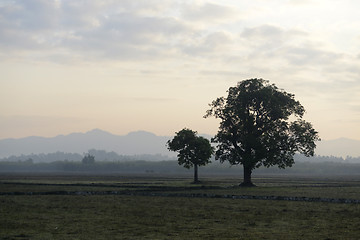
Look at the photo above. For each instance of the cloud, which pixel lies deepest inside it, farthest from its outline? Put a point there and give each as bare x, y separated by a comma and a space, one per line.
203, 46
125, 30
290, 47
222, 73
308, 55
206, 12
29, 15
269, 37
66, 31
128, 36
267, 31
113, 30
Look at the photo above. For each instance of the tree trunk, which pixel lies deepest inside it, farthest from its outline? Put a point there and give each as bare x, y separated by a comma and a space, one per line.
196, 178
247, 177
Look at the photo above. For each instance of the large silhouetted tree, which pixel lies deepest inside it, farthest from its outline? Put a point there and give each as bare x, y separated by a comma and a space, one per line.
260, 125
193, 150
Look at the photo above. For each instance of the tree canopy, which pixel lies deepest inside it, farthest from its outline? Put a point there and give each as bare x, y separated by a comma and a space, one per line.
260, 125
88, 159
193, 150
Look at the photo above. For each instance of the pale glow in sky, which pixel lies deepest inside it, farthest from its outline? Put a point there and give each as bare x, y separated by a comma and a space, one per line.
121, 66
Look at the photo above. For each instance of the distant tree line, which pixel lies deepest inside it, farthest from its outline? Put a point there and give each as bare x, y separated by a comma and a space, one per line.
311, 168
100, 155
318, 158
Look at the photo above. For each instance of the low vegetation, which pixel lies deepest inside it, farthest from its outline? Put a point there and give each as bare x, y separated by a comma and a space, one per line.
172, 167
153, 217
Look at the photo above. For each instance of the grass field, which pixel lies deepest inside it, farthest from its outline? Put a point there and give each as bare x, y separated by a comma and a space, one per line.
154, 217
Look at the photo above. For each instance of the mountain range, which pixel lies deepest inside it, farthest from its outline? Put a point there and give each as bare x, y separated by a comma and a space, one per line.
134, 143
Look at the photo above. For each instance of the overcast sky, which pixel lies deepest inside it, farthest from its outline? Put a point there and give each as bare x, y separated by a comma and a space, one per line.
73, 65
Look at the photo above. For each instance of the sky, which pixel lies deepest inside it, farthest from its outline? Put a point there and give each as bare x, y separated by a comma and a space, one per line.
74, 65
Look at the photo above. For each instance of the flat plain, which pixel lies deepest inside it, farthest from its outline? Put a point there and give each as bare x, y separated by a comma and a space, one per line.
57, 206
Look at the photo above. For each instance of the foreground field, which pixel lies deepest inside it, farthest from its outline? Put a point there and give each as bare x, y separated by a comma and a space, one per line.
150, 217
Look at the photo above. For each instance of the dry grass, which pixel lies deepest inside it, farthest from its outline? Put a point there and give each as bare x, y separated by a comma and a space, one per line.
141, 217
126, 217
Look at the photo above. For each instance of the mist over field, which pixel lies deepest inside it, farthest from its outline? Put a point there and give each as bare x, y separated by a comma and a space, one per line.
134, 143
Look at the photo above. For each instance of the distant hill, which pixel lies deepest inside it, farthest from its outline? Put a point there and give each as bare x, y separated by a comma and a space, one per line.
134, 143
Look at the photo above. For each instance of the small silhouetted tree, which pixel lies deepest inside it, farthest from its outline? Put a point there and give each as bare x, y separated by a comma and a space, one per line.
193, 150
260, 125
88, 159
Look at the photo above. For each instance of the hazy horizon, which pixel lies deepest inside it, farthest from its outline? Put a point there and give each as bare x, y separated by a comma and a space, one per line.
120, 66
134, 131
135, 143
